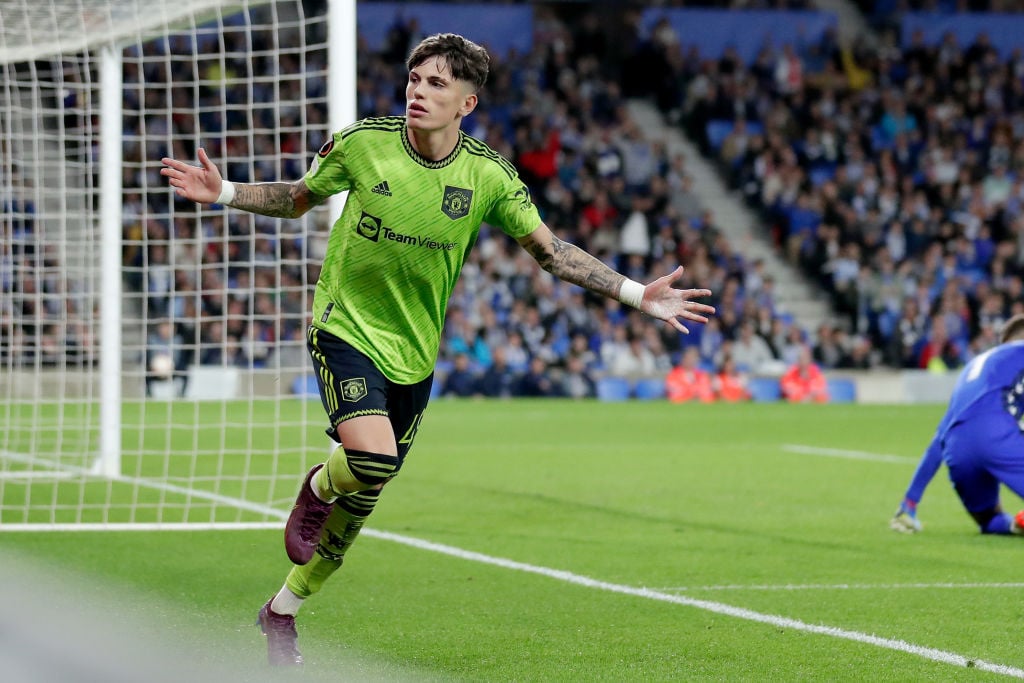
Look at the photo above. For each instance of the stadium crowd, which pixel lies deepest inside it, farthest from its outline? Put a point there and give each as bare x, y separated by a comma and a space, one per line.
44, 316
512, 329
890, 177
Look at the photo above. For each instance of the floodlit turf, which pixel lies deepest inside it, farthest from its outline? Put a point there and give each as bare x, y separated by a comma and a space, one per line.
776, 509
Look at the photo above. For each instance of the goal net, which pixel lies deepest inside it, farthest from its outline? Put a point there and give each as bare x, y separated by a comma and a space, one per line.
153, 356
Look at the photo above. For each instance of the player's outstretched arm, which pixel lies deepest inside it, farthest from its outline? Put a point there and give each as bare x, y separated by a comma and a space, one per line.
658, 299
905, 518
205, 185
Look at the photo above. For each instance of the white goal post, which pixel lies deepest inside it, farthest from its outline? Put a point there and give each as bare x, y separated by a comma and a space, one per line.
153, 370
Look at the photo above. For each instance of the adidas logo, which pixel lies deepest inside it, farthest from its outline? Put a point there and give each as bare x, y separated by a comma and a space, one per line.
382, 188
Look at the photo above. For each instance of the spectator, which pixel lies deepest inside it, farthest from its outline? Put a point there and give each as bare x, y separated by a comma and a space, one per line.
938, 352
499, 380
789, 347
290, 353
630, 359
165, 356
576, 380
711, 340
212, 350
537, 381
750, 351
579, 347
789, 71
461, 380
516, 355
828, 351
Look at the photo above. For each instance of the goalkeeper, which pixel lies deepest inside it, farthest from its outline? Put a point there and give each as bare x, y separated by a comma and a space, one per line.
980, 439
419, 189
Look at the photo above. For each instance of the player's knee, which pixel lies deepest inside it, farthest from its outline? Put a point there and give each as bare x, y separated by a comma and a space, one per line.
996, 523
372, 469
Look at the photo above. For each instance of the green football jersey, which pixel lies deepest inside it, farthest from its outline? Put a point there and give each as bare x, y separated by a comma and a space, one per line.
394, 255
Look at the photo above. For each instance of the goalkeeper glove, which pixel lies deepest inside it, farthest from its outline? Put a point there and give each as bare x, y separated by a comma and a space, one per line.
905, 519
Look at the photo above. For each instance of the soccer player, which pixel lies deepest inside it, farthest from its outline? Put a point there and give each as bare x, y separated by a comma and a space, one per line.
979, 438
419, 188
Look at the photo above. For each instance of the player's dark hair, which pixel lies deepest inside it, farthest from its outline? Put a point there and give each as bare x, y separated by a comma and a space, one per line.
465, 59
1013, 329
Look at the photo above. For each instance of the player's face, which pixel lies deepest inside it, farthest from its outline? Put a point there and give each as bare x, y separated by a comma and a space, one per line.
434, 100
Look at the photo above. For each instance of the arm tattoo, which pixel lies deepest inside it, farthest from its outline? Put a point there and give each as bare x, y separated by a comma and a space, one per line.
570, 263
280, 200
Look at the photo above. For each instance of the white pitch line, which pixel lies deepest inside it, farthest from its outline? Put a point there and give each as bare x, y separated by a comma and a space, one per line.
833, 586
147, 483
34, 474
707, 605
57, 471
841, 453
933, 654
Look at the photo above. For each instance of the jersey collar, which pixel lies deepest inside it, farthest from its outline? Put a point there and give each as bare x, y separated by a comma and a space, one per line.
428, 163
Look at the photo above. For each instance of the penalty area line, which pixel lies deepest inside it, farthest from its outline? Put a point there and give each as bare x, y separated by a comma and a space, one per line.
842, 453
834, 586
707, 605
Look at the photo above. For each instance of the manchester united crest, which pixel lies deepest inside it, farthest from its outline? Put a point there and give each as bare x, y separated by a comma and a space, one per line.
456, 202
353, 389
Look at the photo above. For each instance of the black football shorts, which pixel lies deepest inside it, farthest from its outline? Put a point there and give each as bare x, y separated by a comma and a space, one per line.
351, 385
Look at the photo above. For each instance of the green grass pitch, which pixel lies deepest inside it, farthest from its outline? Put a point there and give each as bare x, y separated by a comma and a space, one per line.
776, 509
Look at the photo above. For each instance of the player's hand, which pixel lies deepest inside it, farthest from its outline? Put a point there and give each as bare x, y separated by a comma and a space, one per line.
666, 303
198, 183
905, 520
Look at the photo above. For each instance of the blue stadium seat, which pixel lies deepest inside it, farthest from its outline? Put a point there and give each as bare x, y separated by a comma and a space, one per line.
879, 140
305, 385
717, 131
613, 389
842, 390
821, 173
765, 389
648, 389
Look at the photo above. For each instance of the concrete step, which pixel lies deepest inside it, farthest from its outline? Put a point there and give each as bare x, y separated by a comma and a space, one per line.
738, 222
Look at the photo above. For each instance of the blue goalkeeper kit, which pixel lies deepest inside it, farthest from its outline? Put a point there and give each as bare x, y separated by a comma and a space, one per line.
980, 437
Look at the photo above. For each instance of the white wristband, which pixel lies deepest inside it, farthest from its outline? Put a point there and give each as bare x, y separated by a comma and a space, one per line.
632, 293
227, 192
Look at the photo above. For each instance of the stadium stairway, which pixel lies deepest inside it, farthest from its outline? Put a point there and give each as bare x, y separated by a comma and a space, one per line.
795, 295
